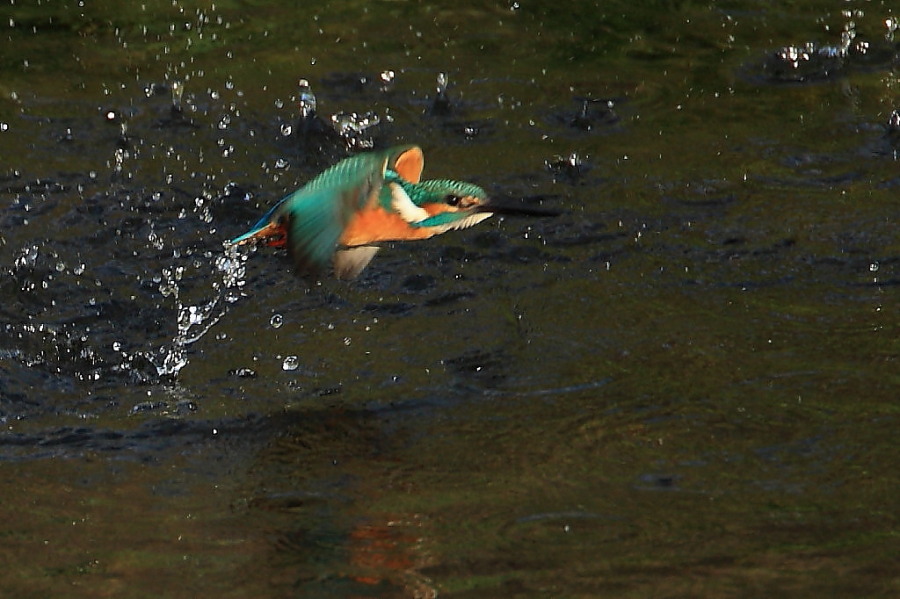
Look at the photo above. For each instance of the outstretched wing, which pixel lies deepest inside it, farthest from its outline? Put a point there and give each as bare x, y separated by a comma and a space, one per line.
317, 214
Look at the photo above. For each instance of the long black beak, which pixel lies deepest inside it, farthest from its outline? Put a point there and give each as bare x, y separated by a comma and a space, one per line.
507, 207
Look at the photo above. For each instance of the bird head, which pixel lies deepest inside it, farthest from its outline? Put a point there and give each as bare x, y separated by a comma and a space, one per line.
445, 204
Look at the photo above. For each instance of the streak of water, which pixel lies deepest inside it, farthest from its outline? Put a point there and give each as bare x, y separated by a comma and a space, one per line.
196, 320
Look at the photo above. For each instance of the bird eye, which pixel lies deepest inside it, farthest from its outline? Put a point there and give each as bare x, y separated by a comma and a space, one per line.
451, 199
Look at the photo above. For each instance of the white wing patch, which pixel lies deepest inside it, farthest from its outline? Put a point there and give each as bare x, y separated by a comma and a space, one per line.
404, 206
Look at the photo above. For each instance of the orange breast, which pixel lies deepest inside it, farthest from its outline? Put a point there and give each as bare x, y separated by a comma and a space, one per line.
374, 224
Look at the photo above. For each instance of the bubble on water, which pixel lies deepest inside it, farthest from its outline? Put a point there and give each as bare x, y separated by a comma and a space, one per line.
873, 267
286, 130
276, 321
290, 363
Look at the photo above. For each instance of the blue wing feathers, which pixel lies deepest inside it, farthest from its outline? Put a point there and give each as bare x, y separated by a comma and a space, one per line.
317, 214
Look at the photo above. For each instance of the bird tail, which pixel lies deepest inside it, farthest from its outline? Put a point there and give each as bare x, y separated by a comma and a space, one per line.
266, 228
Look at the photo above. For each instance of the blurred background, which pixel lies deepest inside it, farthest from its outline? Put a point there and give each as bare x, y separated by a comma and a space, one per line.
686, 385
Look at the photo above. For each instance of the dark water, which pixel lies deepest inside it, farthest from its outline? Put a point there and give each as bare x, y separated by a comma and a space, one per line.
685, 386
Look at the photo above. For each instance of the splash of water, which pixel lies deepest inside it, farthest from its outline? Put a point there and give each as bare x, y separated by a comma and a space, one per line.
354, 128
194, 321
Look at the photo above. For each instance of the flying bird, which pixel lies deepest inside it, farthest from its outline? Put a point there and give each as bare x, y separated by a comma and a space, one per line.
338, 219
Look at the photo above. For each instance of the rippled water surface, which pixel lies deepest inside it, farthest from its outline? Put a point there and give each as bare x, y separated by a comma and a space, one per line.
686, 385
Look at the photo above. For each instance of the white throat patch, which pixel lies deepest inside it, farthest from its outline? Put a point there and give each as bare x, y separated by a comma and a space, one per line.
404, 206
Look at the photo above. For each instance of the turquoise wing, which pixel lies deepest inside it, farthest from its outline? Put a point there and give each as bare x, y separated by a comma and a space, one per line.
317, 214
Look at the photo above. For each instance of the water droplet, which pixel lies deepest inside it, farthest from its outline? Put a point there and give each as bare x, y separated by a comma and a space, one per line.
276, 321
148, 406
893, 122
244, 373
306, 99
177, 93
290, 363
351, 125
442, 81
194, 315
387, 79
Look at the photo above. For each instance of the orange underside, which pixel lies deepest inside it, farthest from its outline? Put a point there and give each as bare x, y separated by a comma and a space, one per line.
367, 227
374, 224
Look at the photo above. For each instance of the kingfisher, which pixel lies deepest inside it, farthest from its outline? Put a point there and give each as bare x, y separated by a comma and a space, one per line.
338, 219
